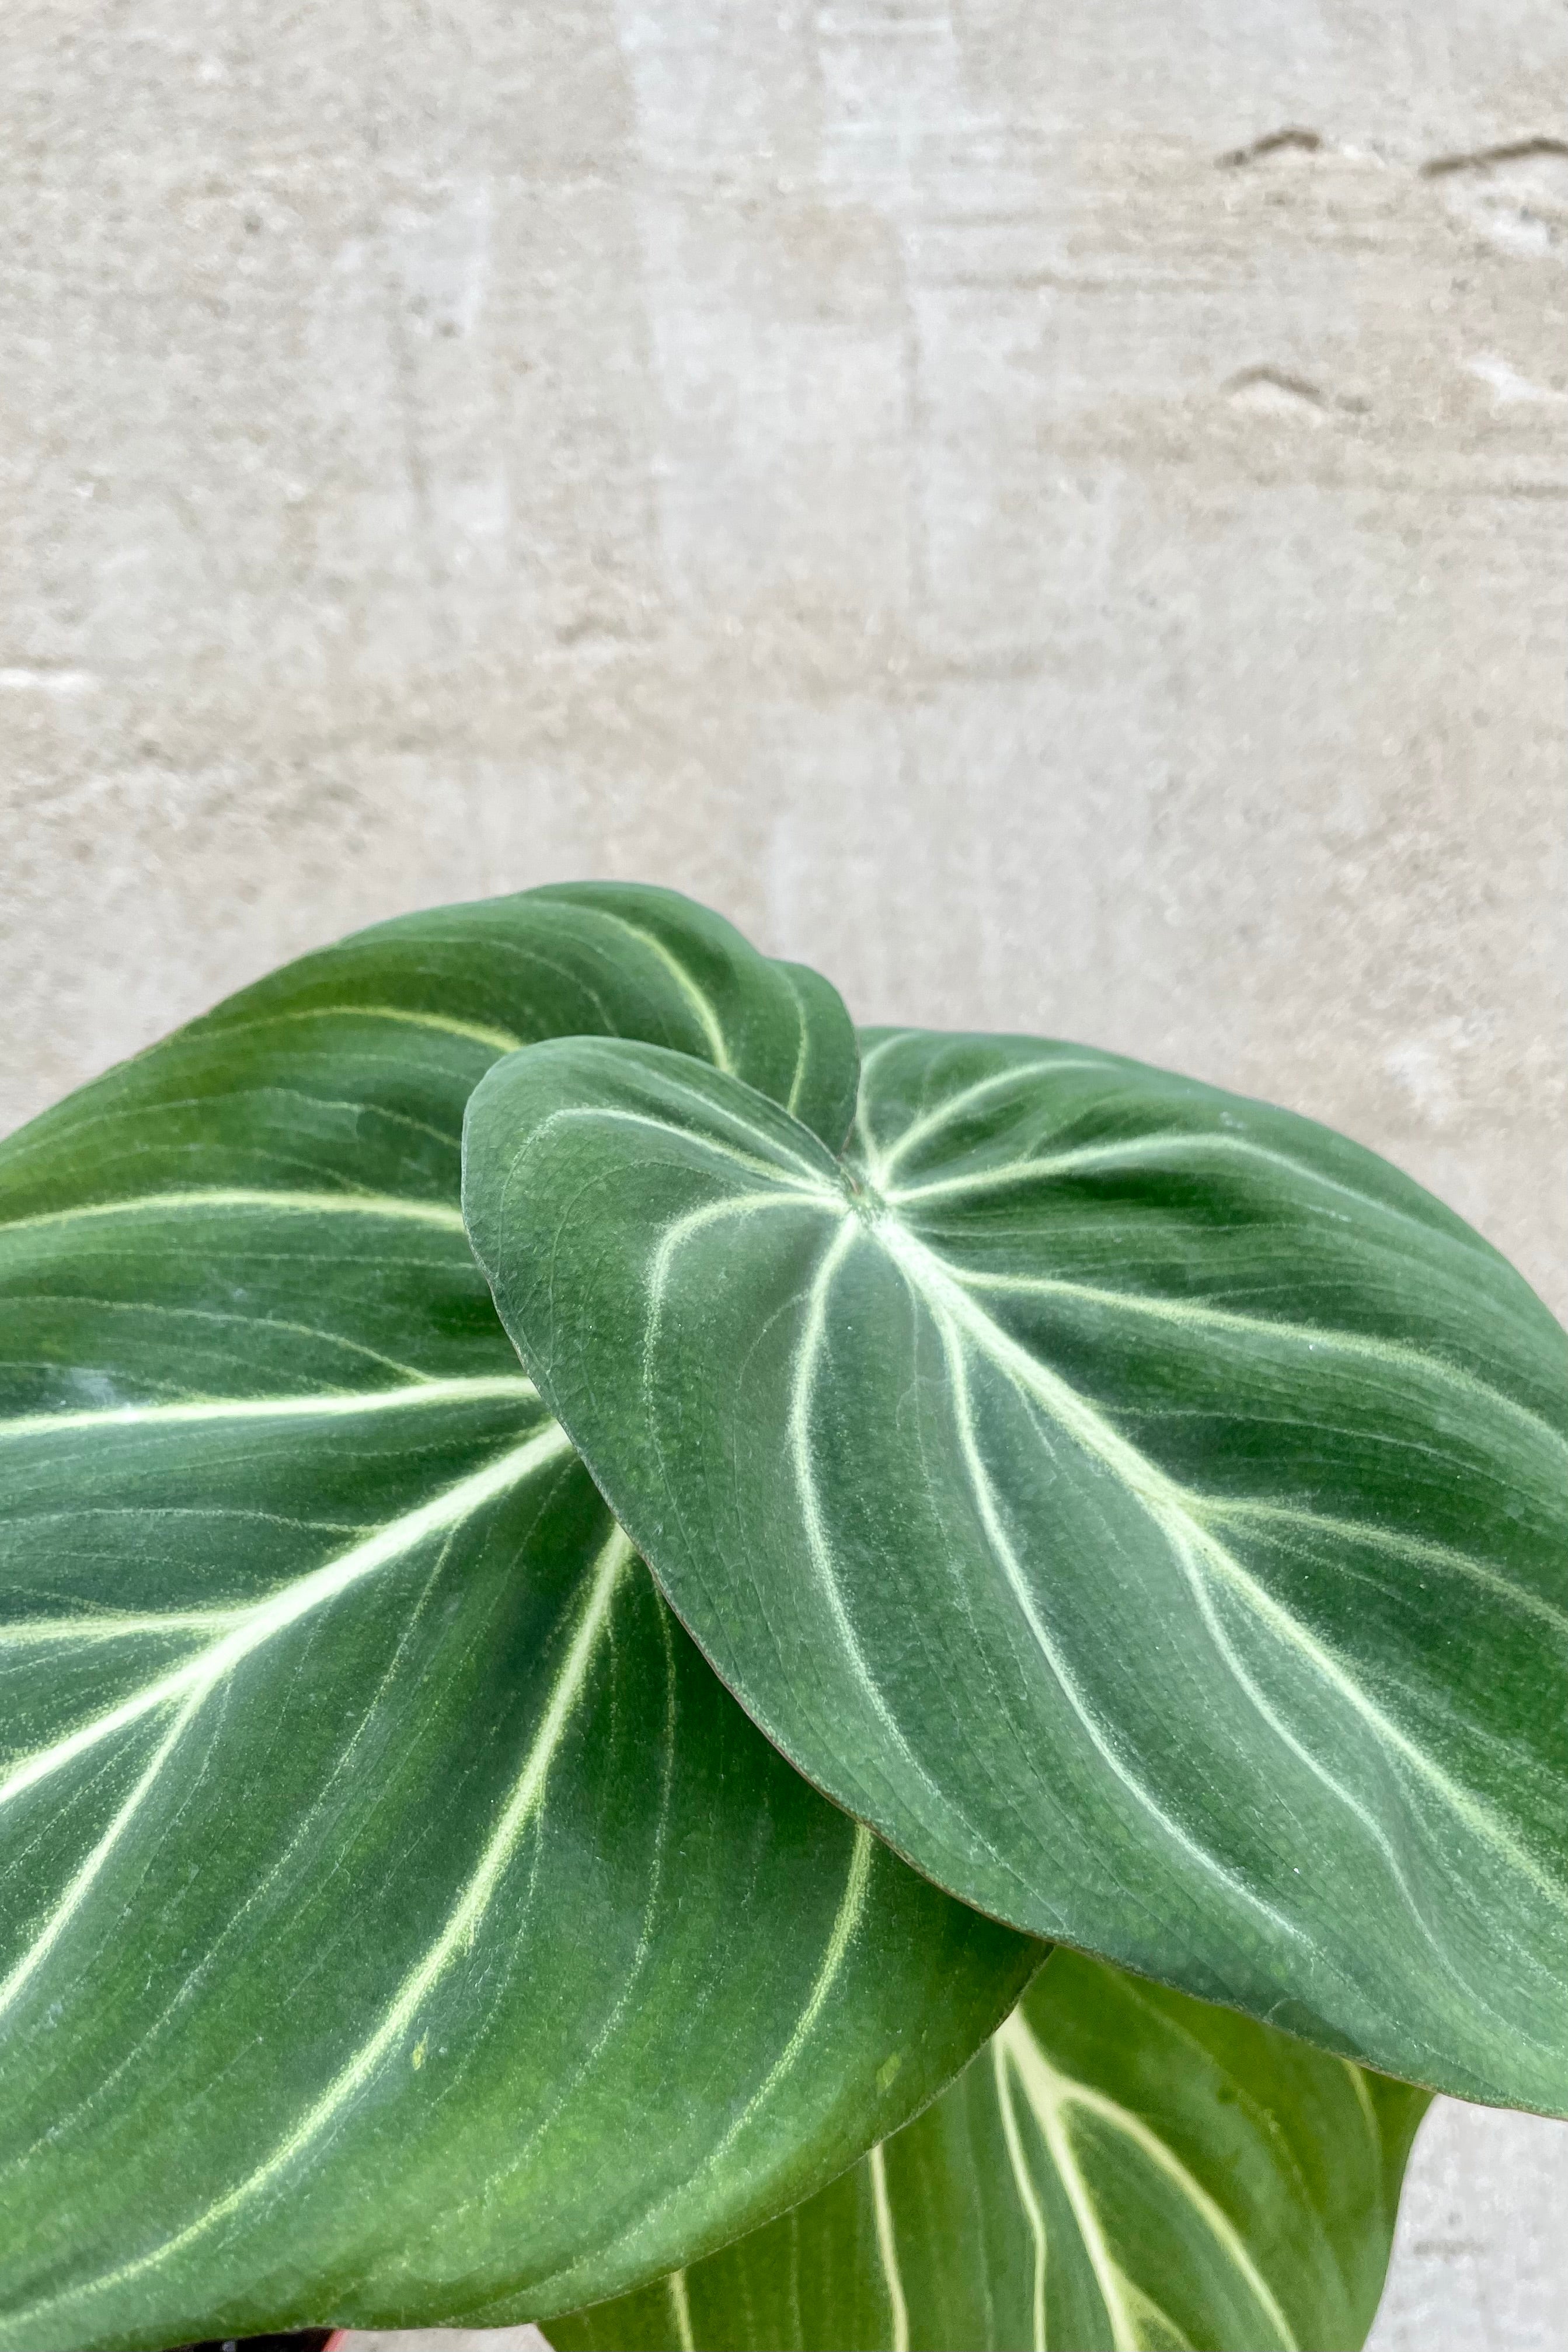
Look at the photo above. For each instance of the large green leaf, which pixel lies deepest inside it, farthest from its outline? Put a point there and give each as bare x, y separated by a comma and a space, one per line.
400, 1923
1147, 1509
1123, 2167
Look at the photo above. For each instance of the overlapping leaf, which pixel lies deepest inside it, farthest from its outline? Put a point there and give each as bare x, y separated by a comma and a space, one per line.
1124, 2170
399, 1922
1147, 1509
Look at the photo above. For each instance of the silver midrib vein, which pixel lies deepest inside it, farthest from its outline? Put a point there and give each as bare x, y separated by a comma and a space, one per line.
1158, 1144
707, 1017
245, 1196
806, 1480
239, 1632
1179, 1516
1168, 1505
1098, 1737
521, 1804
888, 2252
1184, 1541
1182, 1517
816, 1537
809, 1181
477, 1033
1404, 1546
1197, 1315
681, 2310
1364, 2101
1023, 2182
879, 1165
675, 1238
803, 1042
86, 1873
1052, 2096
327, 1404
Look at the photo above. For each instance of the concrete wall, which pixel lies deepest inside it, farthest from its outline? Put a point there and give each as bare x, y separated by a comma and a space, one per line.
1054, 513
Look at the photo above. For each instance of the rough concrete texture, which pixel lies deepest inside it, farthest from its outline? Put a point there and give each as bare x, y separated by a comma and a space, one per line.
445, 2339
1054, 514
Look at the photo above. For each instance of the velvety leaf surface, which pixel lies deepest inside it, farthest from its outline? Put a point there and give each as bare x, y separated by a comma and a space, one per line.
1123, 2168
400, 1923
1147, 1509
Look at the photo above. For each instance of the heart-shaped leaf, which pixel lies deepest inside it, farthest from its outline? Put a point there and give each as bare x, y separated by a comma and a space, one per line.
400, 1922
1123, 2168
1147, 1509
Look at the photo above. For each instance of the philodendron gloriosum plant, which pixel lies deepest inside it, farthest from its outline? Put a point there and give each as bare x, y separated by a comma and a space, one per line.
596, 1568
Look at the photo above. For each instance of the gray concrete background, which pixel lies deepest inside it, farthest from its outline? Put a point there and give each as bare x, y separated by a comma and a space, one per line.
1054, 514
